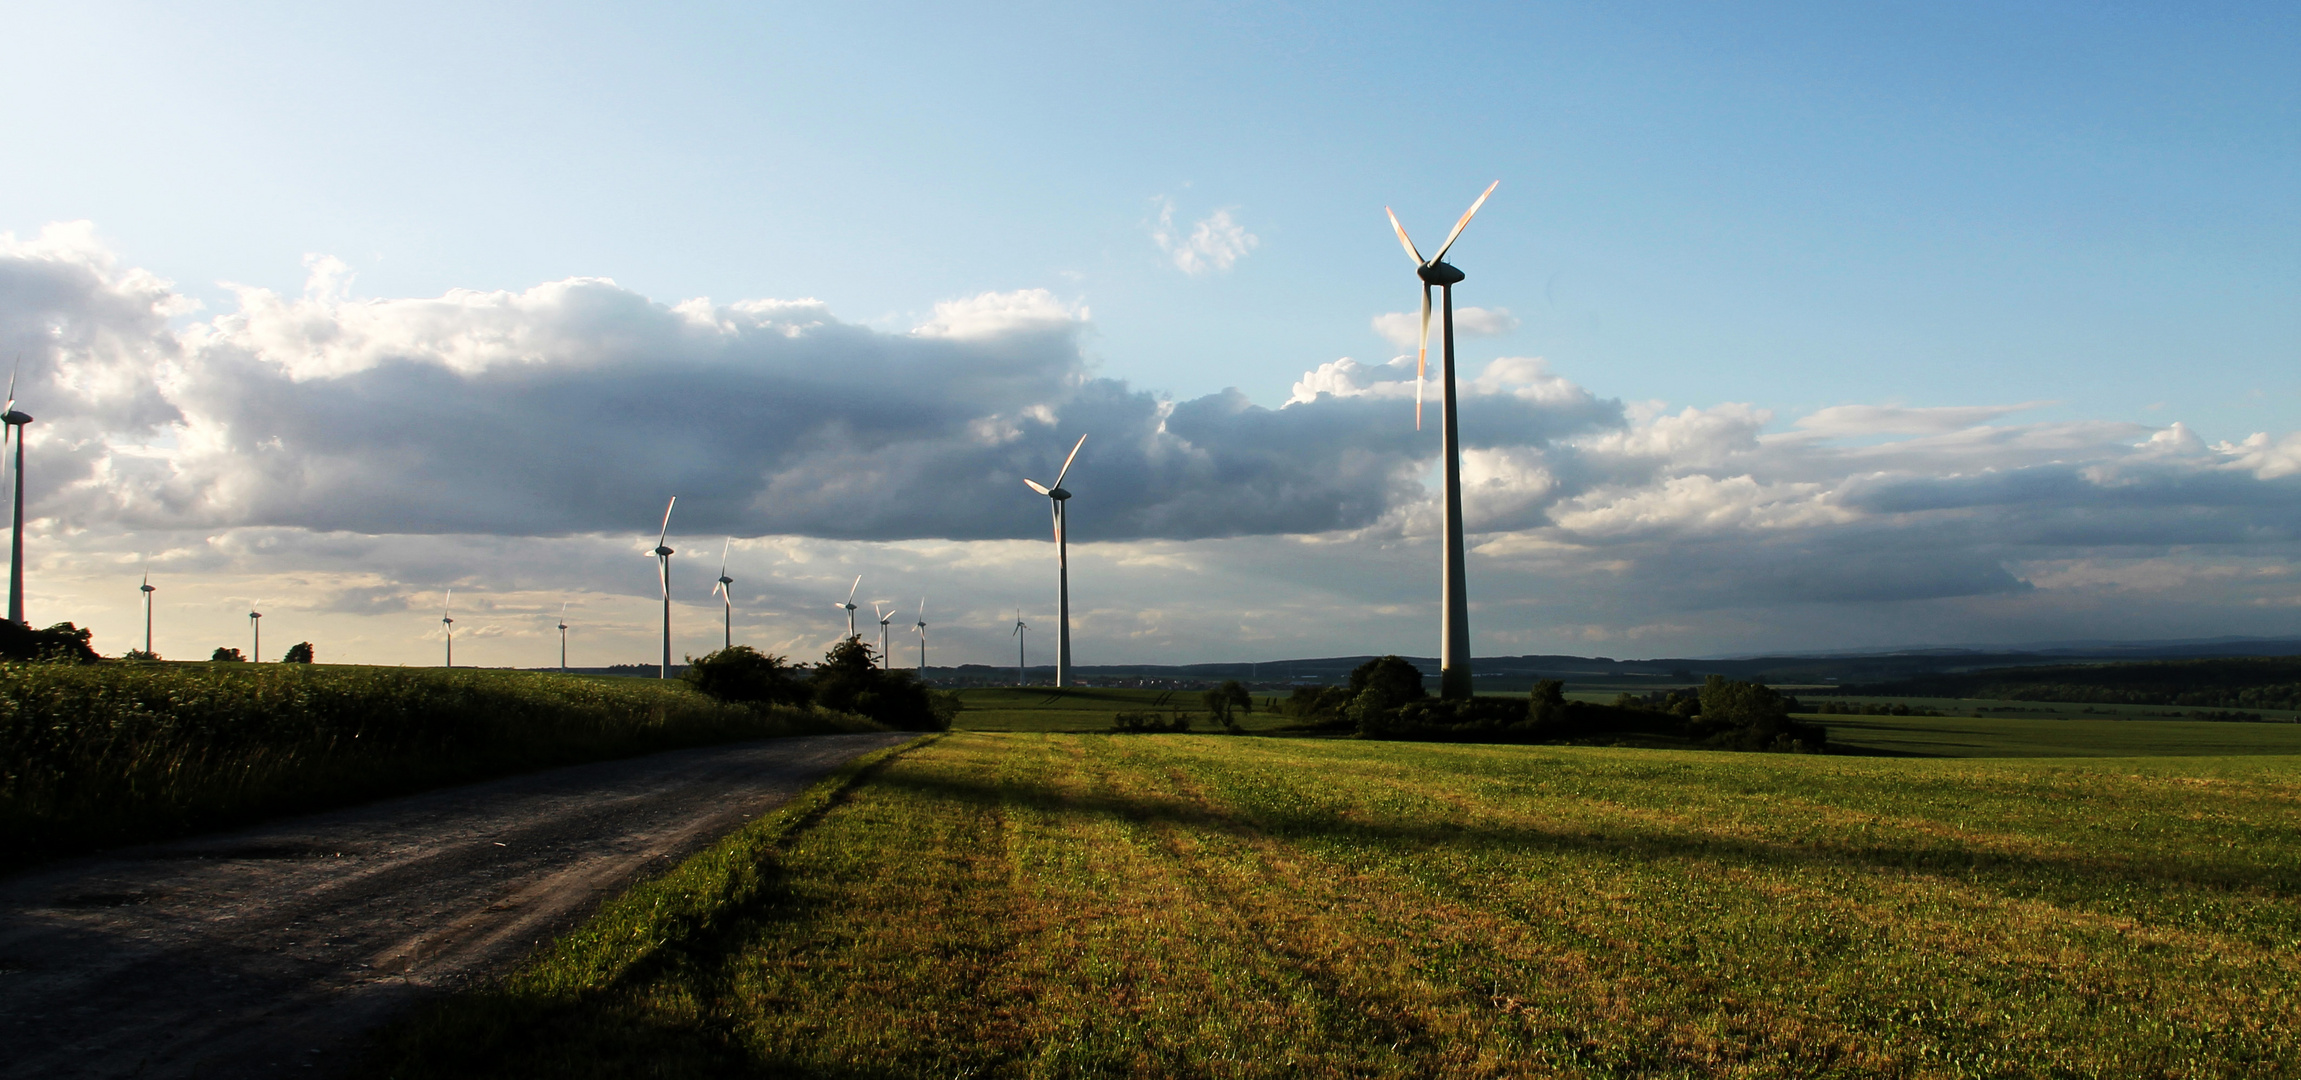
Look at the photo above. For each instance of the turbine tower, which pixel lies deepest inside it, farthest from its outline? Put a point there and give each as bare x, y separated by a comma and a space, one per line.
256, 624
725, 596
849, 606
563, 637
1021, 662
449, 623
883, 619
1061, 499
1454, 602
663, 573
148, 591
15, 422
921, 626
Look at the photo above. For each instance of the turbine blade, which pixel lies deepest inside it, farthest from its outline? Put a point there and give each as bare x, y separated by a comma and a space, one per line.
12, 383
1442, 248
449, 606
1067, 461
1402, 240
1035, 485
723, 550
663, 573
667, 521
851, 588
1422, 357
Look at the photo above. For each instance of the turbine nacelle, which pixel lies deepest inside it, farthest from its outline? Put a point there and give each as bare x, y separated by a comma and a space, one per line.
16, 418
665, 552
1438, 273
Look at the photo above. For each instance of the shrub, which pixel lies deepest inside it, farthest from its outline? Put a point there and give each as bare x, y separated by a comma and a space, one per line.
743, 674
1380, 687
1751, 716
850, 680
227, 653
1147, 723
298, 653
62, 642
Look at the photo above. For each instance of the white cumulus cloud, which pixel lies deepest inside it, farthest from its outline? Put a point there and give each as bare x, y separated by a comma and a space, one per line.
1214, 242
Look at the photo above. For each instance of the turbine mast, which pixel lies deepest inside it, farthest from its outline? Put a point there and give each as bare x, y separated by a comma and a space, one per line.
148, 591
15, 422
663, 555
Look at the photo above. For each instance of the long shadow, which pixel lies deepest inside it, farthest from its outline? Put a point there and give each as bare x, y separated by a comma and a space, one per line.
2018, 873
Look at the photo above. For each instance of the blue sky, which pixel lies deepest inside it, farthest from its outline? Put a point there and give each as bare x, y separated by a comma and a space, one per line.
2095, 210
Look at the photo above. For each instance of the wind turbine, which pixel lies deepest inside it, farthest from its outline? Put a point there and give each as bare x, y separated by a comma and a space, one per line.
1021, 663
891, 609
449, 623
663, 573
1061, 499
850, 604
148, 590
256, 623
726, 596
1454, 603
563, 637
921, 626
15, 422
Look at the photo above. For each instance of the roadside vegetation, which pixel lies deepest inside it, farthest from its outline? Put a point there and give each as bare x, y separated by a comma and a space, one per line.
97, 754
1067, 905
2234, 683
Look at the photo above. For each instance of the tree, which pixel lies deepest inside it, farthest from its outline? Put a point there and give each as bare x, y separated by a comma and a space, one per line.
1222, 699
850, 680
1546, 704
226, 653
298, 653
62, 642
1380, 686
746, 675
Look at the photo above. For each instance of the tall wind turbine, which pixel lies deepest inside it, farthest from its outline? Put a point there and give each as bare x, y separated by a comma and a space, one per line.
1454, 603
1021, 659
726, 596
563, 637
663, 573
256, 624
921, 626
15, 422
148, 590
1061, 500
849, 606
448, 623
883, 620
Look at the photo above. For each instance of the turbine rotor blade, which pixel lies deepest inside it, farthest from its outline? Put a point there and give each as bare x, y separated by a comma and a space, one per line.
851, 589
1422, 357
1035, 485
667, 521
1402, 240
723, 550
11, 407
1450, 237
1067, 461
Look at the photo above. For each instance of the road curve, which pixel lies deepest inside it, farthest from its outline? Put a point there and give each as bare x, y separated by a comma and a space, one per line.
269, 951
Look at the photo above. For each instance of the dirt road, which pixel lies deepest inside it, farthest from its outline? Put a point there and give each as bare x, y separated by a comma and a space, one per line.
269, 951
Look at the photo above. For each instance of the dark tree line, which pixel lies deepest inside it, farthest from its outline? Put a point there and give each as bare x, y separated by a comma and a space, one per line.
848, 680
2251, 682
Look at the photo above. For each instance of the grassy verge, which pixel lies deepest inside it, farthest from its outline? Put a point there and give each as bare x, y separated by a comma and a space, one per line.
104, 754
1053, 905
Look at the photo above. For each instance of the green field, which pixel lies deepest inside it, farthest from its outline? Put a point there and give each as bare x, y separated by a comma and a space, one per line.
994, 904
1083, 709
1956, 736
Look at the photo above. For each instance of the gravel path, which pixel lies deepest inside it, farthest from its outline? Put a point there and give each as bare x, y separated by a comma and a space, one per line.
270, 951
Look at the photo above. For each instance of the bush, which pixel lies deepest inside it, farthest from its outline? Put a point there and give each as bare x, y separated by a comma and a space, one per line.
62, 642
1147, 723
850, 680
1751, 716
1379, 688
298, 653
745, 675
226, 653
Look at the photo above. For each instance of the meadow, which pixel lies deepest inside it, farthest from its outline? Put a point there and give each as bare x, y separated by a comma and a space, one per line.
1032, 904
96, 754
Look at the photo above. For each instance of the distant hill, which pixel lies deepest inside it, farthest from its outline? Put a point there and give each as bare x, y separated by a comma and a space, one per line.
2258, 682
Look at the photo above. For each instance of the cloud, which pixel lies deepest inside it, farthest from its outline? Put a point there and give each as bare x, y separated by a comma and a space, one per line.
1215, 242
1400, 328
1839, 421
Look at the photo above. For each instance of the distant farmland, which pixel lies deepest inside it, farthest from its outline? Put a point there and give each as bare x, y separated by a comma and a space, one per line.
997, 904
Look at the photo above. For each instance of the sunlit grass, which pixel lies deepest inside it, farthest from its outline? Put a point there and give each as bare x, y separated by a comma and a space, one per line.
1049, 905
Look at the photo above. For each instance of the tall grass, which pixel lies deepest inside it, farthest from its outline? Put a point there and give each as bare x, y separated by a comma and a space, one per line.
102, 754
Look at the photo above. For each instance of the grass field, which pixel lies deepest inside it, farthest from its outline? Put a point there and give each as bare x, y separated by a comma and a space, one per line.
993, 904
1085, 709
1957, 736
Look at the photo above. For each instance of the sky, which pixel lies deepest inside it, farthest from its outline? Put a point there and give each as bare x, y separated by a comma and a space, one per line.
1789, 326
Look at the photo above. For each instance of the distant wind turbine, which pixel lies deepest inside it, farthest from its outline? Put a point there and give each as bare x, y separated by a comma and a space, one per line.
849, 606
447, 621
883, 619
256, 623
1061, 501
1454, 604
921, 626
663, 573
1022, 662
563, 637
726, 596
148, 590
15, 422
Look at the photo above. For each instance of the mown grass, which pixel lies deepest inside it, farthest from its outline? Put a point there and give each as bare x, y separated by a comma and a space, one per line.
104, 754
1959, 736
1090, 709
1057, 905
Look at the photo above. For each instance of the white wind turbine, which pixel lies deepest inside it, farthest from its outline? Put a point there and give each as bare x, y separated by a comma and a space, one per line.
921, 626
726, 597
663, 574
148, 590
1454, 602
563, 637
1061, 500
256, 624
14, 425
883, 619
446, 611
849, 606
1022, 663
